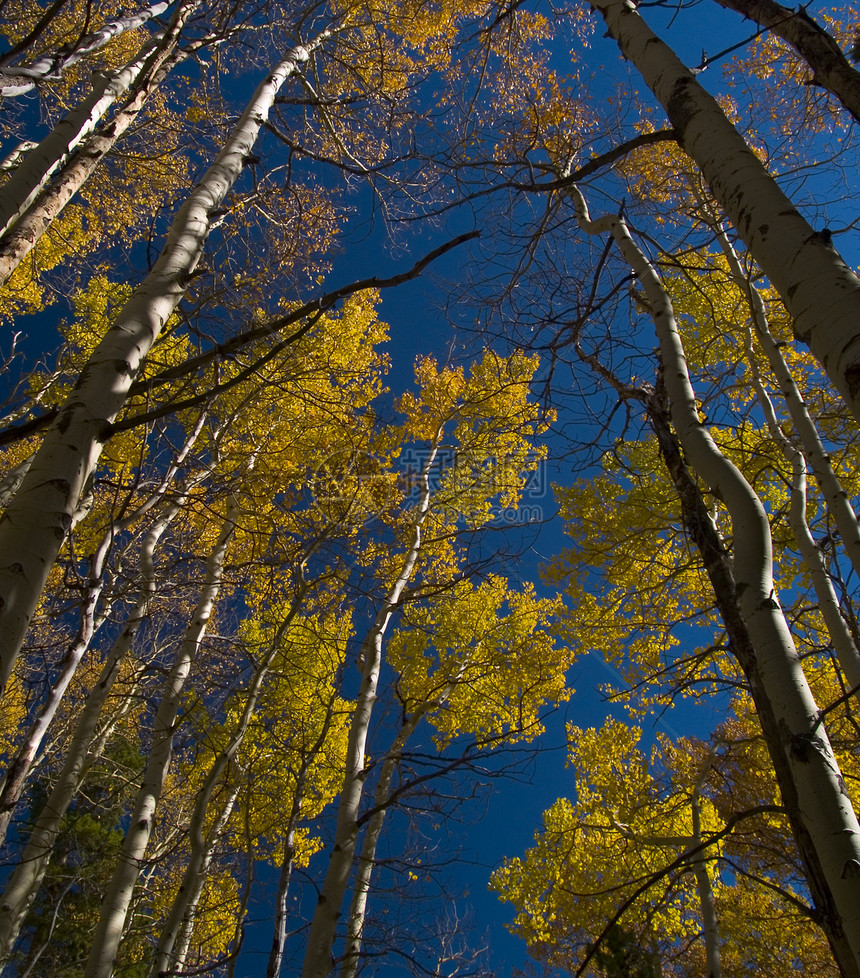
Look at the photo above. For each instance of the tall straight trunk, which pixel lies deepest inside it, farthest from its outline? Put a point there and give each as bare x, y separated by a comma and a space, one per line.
373, 832
823, 807
830, 68
710, 926
33, 173
828, 602
45, 206
27, 876
18, 79
37, 519
18, 770
169, 954
117, 899
837, 499
820, 291
318, 953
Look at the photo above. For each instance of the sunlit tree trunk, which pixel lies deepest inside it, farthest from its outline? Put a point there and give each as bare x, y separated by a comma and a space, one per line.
27, 875
373, 832
828, 601
318, 955
820, 291
169, 955
830, 68
809, 438
33, 173
29, 204
15, 778
18, 79
37, 519
824, 807
117, 900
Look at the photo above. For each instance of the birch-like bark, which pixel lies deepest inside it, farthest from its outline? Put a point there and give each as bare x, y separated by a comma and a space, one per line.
13, 160
820, 291
27, 876
830, 68
37, 519
18, 79
45, 207
318, 955
279, 932
32, 174
367, 857
117, 900
186, 928
828, 601
710, 927
824, 806
838, 504
15, 778
167, 952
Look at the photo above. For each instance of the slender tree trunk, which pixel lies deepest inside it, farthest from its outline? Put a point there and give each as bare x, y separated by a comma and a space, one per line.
27, 876
838, 503
830, 68
18, 770
167, 955
367, 857
186, 927
823, 805
37, 519
18, 79
31, 222
820, 291
705, 891
33, 173
828, 602
117, 900
318, 955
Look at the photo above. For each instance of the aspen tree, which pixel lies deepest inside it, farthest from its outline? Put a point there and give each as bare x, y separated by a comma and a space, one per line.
16, 80
819, 290
36, 520
824, 806
29, 203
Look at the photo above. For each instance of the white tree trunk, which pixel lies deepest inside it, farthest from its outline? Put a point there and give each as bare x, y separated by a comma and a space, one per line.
828, 601
168, 952
37, 519
33, 173
117, 900
318, 955
838, 503
17, 80
820, 291
44, 206
27, 876
15, 778
176, 936
824, 806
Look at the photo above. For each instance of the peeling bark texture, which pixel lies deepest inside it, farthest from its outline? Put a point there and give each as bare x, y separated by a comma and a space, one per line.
19, 79
820, 291
803, 758
36, 521
830, 68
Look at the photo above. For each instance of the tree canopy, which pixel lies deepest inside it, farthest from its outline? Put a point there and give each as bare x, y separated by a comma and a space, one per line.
397, 396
